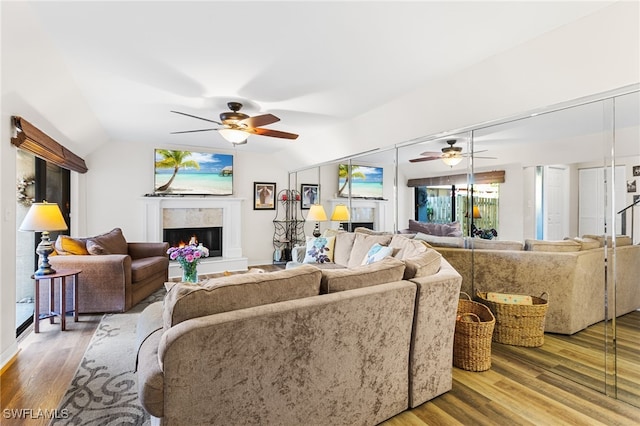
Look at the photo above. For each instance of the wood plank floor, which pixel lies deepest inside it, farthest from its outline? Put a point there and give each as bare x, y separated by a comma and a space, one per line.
517, 390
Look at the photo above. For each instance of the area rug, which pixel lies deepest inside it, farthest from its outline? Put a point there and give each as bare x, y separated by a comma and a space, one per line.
104, 390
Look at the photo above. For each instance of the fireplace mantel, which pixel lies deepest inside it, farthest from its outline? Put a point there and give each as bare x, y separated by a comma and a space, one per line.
231, 259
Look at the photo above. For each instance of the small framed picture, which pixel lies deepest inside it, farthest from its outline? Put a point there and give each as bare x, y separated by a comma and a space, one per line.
309, 193
631, 185
636, 198
636, 170
264, 195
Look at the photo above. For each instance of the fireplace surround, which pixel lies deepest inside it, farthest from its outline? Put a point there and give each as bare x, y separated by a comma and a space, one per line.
184, 212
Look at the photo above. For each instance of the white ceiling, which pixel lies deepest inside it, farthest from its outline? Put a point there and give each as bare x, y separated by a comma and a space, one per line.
313, 64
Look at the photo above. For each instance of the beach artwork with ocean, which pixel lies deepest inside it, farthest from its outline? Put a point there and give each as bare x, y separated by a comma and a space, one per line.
366, 182
214, 177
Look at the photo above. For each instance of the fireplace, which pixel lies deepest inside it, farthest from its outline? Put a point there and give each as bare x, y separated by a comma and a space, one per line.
210, 237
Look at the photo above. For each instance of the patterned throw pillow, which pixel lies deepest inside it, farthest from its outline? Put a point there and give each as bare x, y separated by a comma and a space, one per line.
319, 250
376, 253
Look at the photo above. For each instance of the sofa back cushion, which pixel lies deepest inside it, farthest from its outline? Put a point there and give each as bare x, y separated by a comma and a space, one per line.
403, 246
482, 244
439, 229
621, 240
553, 246
422, 265
185, 301
342, 247
387, 270
362, 244
112, 242
436, 241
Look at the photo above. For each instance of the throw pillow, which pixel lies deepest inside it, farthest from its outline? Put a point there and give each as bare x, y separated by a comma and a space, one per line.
113, 242
319, 250
376, 253
67, 245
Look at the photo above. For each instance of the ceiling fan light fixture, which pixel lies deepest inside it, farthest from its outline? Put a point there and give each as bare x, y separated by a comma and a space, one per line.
234, 136
451, 160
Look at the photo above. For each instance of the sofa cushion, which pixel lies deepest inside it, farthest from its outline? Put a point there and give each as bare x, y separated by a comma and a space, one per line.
482, 244
587, 243
621, 240
67, 245
387, 270
553, 246
422, 265
342, 247
439, 229
406, 247
376, 253
184, 300
363, 230
435, 241
319, 250
147, 267
362, 244
112, 242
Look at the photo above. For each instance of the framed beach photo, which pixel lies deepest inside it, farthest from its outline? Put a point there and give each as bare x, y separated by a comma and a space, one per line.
264, 195
309, 194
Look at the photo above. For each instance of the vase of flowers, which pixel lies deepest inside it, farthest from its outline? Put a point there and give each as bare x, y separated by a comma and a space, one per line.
188, 256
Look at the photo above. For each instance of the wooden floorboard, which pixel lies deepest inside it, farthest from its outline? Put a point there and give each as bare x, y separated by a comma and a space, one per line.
521, 388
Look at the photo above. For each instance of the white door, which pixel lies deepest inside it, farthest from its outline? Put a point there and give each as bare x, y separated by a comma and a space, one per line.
594, 212
555, 203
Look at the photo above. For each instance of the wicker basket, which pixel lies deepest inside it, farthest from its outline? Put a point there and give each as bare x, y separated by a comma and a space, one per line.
518, 325
472, 338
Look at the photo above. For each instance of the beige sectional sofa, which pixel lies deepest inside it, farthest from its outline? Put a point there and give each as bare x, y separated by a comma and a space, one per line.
571, 272
299, 346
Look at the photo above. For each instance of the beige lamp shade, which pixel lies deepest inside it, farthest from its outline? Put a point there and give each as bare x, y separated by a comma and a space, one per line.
476, 213
43, 217
317, 213
340, 213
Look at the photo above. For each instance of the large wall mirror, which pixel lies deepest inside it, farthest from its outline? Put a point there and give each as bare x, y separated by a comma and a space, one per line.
542, 203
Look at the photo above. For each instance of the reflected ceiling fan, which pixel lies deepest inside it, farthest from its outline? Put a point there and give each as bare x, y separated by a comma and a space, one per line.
450, 155
236, 126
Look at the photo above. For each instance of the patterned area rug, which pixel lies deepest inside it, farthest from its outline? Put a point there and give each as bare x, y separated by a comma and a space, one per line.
104, 390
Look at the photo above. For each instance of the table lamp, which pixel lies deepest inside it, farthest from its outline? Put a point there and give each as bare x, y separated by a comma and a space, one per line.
317, 214
44, 217
340, 214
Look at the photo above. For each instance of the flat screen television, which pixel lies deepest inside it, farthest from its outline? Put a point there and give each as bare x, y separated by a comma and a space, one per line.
366, 181
192, 173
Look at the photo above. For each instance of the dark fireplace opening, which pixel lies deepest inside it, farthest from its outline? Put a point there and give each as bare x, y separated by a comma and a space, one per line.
210, 237
353, 225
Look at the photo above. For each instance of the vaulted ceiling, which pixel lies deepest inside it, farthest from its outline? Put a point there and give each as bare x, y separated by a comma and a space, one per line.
112, 71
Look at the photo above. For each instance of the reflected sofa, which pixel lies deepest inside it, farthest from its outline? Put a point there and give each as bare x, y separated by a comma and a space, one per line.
116, 274
281, 348
571, 272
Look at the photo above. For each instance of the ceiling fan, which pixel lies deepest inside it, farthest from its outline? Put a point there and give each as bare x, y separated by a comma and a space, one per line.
451, 155
237, 126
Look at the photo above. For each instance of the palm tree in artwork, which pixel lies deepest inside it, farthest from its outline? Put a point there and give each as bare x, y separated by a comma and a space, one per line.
174, 160
343, 173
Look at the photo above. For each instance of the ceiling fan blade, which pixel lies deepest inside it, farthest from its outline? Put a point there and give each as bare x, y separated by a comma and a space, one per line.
260, 120
419, 159
195, 116
431, 154
272, 133
193, 131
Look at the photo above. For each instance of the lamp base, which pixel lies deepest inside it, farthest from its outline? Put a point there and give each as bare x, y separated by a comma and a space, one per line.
44, 249
316, 230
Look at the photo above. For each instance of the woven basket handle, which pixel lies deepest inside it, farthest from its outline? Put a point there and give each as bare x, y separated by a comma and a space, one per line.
465, 294
475, 317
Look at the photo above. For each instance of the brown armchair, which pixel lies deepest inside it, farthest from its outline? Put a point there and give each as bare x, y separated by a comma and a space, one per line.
115, 276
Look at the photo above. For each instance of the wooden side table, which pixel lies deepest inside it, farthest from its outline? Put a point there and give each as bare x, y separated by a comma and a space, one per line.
61, 275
